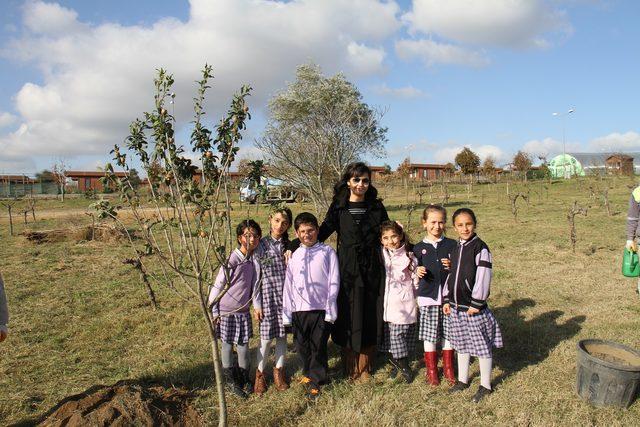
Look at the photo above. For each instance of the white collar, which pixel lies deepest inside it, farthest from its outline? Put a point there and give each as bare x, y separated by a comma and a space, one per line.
426, 240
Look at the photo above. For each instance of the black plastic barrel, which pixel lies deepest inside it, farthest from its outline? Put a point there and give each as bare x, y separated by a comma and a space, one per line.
608, 373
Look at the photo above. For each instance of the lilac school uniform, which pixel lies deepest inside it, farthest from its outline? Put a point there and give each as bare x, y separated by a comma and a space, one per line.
310, 304
235, 326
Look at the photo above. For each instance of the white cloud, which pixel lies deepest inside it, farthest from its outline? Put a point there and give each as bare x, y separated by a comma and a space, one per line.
7, 119
616, 142
448, 154
405, 92
431, 53
364, 59
97, 78
50, 18
511, 23
548, 147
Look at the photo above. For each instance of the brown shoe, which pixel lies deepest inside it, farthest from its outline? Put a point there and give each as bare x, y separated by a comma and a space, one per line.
260, 385
280, 379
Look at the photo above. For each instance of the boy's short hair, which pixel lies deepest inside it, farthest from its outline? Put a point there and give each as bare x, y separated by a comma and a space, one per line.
305, 218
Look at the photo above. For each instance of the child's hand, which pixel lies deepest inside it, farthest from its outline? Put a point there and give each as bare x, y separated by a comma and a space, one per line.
421, 271
258, 314
446, 309
287, 256
472, 311
446, 263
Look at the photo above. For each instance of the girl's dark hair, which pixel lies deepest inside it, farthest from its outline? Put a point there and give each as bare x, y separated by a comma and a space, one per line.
397, 228
434, 208
341, 189
286, 212
248, 223
466, 211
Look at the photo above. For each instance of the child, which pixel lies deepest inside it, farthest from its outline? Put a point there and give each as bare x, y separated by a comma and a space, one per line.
309, 300
473, 328
433, 255
399, 297
268, 308
234, 325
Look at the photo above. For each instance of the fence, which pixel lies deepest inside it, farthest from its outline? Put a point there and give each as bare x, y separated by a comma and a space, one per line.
21, 189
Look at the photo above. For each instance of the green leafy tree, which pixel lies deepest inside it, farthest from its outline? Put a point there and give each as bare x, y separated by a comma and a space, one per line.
45, 176
317, 125
134, 178
489, 168
467, 161
187, 231
522, 163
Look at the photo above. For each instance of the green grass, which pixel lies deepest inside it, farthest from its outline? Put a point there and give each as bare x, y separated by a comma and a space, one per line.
80, 318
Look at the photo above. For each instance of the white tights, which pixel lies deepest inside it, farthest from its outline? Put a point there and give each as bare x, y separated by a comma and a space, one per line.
263, 352
227, 355
485, 369
431, 346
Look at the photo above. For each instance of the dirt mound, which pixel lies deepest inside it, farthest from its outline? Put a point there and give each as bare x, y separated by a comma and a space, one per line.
123, 404
100, 233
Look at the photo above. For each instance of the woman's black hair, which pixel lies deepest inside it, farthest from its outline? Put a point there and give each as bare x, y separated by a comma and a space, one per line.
341, 190
466, 211
248, 223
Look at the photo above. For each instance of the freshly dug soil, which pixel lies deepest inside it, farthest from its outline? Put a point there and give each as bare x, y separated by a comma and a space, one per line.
100, 233
125, 404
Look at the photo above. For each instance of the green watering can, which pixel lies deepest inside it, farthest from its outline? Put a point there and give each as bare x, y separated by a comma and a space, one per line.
630, 263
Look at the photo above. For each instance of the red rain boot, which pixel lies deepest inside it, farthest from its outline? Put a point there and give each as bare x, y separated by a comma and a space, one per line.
431, 362
447, 366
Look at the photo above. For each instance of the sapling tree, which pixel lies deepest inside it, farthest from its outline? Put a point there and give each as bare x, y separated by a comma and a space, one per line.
605, 199
8, 204
59, 170
571, 217
186, 230
513, 198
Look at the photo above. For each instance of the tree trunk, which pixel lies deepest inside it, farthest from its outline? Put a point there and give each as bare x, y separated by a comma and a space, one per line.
10, 221
217, 366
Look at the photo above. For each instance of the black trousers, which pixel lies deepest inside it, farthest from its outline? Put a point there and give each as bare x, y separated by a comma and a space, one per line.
310, 334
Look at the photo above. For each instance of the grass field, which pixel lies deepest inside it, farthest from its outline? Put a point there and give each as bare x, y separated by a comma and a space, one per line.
80, 318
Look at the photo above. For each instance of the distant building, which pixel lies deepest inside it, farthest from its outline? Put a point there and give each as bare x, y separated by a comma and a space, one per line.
378, 171
429, 172
619, 163
89, 180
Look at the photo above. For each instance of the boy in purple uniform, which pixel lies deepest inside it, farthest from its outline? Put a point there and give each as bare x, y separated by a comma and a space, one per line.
309, 300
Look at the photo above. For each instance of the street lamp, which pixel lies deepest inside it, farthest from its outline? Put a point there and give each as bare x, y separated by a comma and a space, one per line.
564, 148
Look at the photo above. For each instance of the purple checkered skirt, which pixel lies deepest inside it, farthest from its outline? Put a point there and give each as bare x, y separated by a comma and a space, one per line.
399, 340
235, 328
433, 324
475, 335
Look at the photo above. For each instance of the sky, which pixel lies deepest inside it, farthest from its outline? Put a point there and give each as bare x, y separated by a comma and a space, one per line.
448, 73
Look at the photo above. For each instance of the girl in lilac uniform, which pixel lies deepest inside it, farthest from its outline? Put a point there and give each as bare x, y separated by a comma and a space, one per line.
233, 324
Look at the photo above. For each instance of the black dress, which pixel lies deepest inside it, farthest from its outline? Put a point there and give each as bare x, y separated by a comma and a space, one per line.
360, 300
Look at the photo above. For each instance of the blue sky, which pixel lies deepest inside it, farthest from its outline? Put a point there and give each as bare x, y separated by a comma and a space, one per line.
485, 74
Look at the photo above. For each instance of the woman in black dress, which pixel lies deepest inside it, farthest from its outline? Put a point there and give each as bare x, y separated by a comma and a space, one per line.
355, 215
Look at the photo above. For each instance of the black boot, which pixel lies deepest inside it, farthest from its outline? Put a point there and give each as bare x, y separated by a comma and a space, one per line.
231, 383
394, 368
405, 370
245, 381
